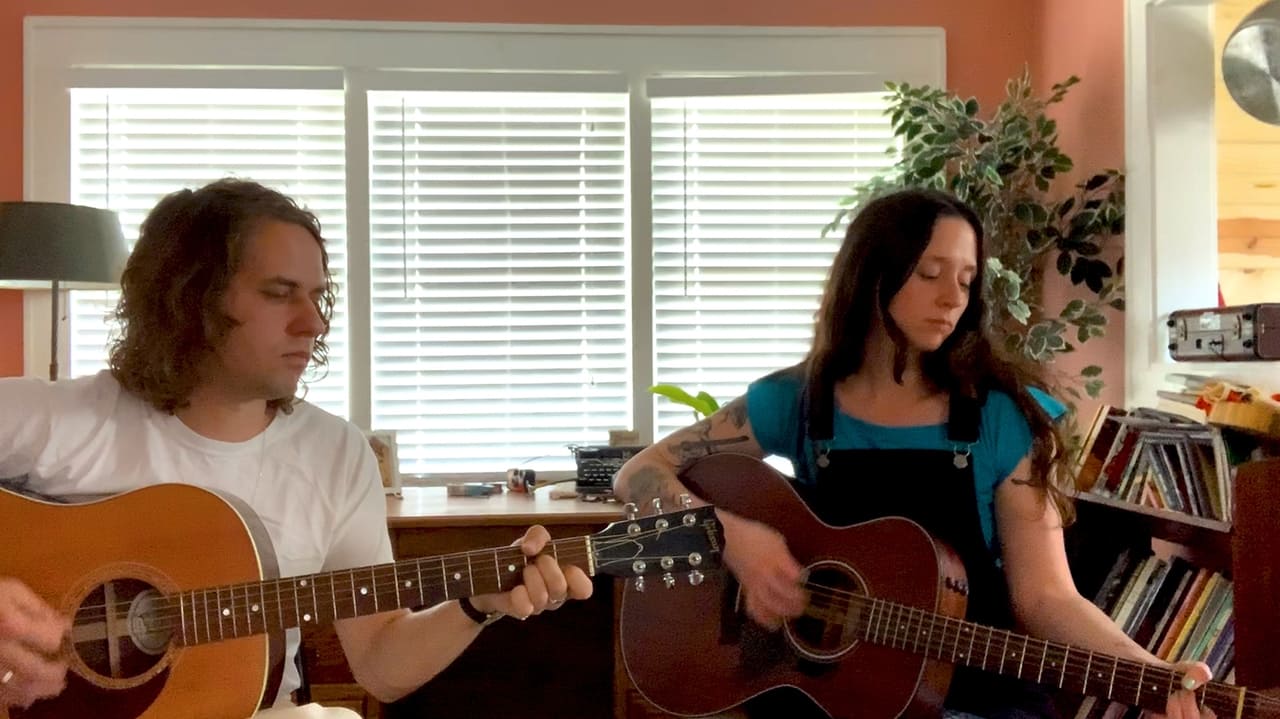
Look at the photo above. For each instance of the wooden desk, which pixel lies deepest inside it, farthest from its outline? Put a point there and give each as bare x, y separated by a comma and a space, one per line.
575, 669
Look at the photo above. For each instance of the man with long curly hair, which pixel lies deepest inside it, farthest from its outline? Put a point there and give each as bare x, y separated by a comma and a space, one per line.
225, 302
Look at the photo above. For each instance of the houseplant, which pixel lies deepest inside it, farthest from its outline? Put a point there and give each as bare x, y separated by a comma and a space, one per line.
1004, 168
702, 404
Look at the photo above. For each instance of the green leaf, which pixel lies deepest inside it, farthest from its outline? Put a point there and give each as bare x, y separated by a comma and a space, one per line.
1093, 387
1095, 182
1072, 309
709, 402
1064, 263
675, 394
1020, 311
1092, 370
971, 107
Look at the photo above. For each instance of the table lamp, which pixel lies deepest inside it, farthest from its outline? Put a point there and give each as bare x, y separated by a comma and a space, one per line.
57, 246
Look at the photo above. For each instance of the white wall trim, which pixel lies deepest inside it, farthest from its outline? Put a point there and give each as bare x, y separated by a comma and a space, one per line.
1171, 249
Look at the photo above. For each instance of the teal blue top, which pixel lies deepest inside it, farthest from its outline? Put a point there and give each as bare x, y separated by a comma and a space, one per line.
773, 407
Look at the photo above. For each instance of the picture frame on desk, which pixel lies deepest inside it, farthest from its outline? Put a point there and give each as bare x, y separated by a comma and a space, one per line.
383, 444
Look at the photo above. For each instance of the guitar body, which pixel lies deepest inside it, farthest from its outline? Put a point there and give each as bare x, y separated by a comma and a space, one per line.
729, 659
169, 537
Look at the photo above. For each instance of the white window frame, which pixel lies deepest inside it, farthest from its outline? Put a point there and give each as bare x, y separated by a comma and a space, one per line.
61, 52
1171, 228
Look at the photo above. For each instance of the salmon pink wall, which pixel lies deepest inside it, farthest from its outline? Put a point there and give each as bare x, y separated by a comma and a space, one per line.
981, 52
1086, 38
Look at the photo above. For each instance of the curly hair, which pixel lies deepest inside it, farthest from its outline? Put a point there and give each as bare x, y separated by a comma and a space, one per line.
880, 251
170, 310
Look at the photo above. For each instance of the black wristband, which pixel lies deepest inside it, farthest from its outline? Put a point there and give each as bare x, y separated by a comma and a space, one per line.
476, 615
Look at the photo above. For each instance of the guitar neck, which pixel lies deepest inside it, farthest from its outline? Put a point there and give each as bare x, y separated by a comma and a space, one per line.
240, 610
1057, 665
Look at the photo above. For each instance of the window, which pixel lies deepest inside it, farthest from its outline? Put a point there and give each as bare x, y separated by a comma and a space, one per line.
543, 222
130, 147
742, 187
498, 248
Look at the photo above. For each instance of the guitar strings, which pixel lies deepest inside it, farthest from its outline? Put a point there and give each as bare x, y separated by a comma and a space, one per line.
383, 577
1127, 671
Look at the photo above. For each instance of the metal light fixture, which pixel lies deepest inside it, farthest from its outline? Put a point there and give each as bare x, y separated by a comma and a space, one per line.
57, 246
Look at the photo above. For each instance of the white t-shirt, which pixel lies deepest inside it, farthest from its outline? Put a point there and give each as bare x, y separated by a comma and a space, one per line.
310, 477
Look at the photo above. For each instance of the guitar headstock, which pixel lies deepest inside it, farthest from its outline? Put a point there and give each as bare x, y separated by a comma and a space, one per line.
689, 540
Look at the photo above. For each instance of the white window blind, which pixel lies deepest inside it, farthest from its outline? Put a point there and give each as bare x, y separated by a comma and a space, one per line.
742, 187
130, 147
499, 287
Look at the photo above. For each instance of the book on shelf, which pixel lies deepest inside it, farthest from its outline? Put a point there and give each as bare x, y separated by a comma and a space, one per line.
1157, 459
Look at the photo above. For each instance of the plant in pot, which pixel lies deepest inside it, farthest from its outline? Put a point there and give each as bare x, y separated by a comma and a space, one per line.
1004, 167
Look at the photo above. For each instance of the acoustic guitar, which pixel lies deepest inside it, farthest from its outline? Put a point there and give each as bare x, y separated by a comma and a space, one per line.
881, 633
177, 612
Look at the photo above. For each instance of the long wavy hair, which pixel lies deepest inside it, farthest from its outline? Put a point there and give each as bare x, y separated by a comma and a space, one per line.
880, 251
170, 310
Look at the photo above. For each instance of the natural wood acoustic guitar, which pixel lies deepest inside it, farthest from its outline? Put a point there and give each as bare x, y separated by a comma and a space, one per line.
177, 612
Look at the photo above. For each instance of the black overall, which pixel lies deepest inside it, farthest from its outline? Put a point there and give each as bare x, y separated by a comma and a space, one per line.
936, 489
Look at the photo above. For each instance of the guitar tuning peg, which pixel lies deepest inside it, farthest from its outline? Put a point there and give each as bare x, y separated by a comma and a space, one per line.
696, 577
630, 510
639, 584
668, 580
685, 501
657, 505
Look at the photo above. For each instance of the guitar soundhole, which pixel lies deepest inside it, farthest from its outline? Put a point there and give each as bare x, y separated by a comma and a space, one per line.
121, 632
825, 631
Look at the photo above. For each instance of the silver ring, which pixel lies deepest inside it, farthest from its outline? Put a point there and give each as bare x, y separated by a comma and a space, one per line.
7, 677
555, 603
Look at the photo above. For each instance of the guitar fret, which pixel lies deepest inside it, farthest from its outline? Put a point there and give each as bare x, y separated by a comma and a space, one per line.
470, 582
1087, 665
1044, 654
933, 624
1004, 654
444, 579
417, 565
248, 611
373, 587
1111, 684
217, 603
204, 600
333, 595
182, 614
1142, 673
395, 577
297, 605
262, 604
1065, 654
1023, 658
497, 570
355, 608
986, 651
280, 603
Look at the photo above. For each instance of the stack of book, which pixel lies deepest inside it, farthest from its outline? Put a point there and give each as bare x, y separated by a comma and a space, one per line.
1179, 612
1157, 459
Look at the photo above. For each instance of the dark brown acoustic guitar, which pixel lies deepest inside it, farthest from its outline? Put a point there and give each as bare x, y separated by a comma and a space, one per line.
880, 636
177, 612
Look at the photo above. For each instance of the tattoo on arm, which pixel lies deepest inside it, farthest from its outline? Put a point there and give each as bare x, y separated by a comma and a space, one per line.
649, 482
736, 412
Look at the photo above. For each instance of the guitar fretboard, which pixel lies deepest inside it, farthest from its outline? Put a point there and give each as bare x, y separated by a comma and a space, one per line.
240, 610
1059, 665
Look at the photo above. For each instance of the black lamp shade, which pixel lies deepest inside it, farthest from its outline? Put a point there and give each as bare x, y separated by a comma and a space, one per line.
42, 242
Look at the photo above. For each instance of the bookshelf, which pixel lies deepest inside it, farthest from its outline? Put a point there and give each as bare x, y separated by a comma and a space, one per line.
1246, 550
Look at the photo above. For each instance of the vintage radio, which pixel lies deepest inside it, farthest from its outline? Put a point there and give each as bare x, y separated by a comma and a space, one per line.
1238, 333
598, 464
